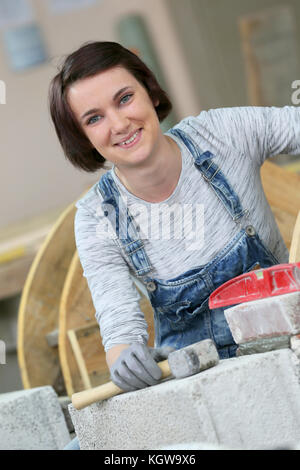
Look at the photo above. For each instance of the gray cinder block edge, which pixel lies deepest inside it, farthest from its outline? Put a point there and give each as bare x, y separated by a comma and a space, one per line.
32, 420
248, 402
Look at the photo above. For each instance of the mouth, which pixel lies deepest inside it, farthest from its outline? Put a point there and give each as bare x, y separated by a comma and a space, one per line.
133, 140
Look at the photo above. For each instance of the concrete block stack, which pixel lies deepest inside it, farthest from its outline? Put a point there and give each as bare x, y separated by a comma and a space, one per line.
248, 402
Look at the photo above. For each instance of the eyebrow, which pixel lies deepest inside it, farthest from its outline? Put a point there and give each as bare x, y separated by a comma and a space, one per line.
95, 110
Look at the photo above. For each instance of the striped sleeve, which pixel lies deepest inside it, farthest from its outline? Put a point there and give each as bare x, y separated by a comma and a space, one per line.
259, 132
114, 295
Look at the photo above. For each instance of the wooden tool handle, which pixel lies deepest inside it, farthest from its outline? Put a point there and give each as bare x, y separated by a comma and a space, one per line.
87, 397
295, 244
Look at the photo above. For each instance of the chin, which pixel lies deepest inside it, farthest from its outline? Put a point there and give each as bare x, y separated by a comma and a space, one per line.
139, 159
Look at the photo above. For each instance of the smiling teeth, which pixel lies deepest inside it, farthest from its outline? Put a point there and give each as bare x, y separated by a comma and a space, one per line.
130, 140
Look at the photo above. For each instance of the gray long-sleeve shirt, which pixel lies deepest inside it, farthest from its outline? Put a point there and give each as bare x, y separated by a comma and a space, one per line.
241, 139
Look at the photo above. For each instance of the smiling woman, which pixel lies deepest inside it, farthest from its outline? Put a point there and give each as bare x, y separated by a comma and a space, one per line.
119, 120
124, 128
107, 105
86, 63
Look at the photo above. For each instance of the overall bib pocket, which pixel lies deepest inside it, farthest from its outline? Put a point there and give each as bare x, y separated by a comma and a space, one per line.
180, 314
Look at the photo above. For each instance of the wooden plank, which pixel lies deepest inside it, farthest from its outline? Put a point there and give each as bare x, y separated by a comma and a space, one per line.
269, 46
79, 358
282, 190
30, 229
255, 93
295, 245
19, 244
13, 275
75, 310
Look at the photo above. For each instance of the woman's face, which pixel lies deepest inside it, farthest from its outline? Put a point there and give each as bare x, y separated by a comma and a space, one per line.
117, 115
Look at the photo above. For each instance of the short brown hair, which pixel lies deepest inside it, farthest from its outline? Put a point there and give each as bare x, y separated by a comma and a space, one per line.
90, 59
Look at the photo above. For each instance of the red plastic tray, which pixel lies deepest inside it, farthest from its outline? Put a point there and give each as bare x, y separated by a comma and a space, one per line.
261, 283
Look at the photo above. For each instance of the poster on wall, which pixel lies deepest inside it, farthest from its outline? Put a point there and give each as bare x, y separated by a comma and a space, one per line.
24, 46
271, 55
15, 12
57, 7
272, 62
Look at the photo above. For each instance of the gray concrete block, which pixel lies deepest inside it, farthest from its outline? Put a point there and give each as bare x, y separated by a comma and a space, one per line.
250, 402
32, 419
64, 403
270, 316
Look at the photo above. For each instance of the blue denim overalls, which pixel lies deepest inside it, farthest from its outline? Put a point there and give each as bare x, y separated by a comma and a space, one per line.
181, 313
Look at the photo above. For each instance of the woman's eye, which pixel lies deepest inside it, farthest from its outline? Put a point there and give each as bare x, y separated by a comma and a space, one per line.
90, 121
94, 119
125, 98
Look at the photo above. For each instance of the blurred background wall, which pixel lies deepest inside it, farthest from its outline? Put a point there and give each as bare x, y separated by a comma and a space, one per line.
201, 50
35, 175
210, 34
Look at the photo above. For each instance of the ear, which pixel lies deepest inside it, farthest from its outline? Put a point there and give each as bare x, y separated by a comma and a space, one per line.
156, 103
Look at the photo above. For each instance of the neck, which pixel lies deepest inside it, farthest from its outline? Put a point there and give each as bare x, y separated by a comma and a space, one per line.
156, 181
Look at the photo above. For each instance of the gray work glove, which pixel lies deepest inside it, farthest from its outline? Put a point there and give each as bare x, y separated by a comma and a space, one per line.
136, 366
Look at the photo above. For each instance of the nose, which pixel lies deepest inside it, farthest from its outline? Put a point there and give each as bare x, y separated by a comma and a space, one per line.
119, 123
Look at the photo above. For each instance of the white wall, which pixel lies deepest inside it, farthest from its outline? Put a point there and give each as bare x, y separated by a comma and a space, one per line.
35, 176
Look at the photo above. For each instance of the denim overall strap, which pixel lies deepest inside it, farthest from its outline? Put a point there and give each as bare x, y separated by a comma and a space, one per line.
213, 175
123, 225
